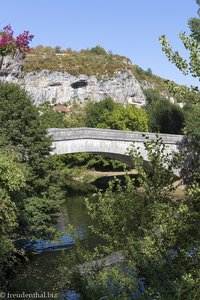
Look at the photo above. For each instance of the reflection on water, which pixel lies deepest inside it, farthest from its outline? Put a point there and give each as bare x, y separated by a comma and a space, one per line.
42, 272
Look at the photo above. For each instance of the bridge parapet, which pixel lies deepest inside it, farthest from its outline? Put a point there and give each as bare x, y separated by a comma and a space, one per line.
63, 134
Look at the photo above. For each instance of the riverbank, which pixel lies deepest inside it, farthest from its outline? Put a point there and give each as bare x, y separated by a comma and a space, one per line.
89, 175
101, 178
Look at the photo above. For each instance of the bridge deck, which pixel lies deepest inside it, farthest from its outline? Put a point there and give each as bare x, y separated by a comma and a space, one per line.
63, 134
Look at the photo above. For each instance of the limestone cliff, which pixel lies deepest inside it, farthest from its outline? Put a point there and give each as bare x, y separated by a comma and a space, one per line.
62, 87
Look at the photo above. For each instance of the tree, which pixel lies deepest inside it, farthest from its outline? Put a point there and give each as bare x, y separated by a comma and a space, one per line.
76, 117
22, 131
149, 72
192, 45
194, 24
97, 113
12, 180
98, 50
13, 46
108, 114
51, 118
191, 66
158, 237
191, 147
151, 95
165, 117
127, 118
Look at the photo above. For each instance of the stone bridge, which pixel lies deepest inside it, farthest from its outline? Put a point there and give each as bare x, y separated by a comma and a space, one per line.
110, 143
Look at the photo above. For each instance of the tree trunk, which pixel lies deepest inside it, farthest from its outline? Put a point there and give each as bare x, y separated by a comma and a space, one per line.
1, 61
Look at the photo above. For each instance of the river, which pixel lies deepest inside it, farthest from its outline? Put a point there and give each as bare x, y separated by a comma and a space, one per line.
41, 273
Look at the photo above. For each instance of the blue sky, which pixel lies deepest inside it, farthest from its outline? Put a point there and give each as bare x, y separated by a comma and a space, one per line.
127, 27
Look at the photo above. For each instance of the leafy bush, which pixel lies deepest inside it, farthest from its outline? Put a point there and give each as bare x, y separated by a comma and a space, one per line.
50, 118
157, 237
98, 112
128, 118
94, 161
164, 116
152, 95
98, 50
108, 114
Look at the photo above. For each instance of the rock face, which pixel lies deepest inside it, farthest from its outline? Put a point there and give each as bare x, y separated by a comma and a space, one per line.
62, 87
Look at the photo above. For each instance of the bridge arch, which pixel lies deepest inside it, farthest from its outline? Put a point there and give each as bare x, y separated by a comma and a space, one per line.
111, 143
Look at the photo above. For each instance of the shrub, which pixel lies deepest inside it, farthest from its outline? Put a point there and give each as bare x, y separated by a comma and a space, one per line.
166, 117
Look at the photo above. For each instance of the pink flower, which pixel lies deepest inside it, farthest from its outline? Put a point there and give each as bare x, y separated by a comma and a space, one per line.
11, 45
23, 40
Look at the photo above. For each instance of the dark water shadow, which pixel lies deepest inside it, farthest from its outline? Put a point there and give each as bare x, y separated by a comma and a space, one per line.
74, 187
103, 182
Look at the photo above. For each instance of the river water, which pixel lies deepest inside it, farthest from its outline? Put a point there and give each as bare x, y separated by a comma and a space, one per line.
41, 273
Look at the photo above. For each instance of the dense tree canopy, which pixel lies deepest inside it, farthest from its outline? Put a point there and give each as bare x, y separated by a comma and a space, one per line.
12, 180
97, 113
36, 202
108, 114
128, 118
50, 118
166, 117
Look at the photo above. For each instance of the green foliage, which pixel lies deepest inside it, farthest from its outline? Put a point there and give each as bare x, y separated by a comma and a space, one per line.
98, 112
189, 66
194, 24
76, 159
92, 161
51, 118
128, 118
149, 72
98, 50
192, 45
164, 116
101, 163
12, 179
158, 237
57, 49
21, 130
108, 114
190, 147
192, 120
103, 114
76, 117
151, 95
95, 61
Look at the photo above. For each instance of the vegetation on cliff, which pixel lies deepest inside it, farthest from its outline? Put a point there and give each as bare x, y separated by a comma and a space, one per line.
92, 62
